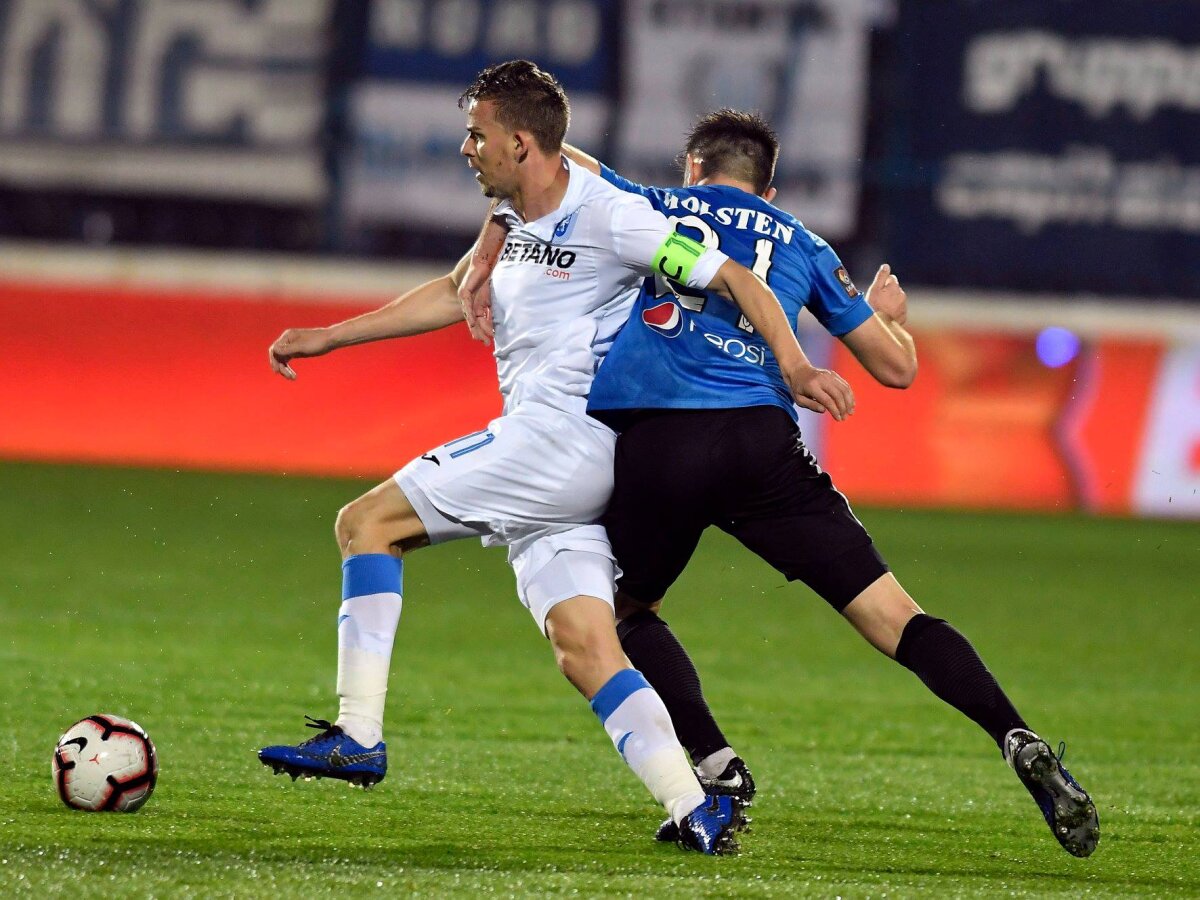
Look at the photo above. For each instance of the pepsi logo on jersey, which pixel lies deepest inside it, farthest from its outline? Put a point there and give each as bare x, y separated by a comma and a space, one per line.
665, 319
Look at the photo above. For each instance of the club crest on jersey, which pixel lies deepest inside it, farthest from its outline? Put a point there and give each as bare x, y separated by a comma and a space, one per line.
563, 229
843, 276
666, 319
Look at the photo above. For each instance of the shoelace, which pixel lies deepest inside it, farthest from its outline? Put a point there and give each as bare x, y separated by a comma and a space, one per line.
1062, 750
322, 725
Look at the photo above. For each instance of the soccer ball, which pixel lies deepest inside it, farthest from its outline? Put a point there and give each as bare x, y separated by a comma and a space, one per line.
105, 762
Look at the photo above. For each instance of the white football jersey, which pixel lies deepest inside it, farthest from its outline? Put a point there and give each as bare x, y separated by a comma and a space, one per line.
564, 285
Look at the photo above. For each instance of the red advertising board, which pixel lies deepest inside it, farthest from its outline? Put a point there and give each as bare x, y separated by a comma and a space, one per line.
147, 378
150, 377
988, 424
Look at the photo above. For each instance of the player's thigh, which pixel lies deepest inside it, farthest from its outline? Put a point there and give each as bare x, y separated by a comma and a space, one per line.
787, 511
652, 548
659, 506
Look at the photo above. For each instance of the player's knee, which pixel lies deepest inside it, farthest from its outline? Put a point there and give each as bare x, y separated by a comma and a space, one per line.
573, 646
353, 526
343, 526
567, 661
881, 612
579, 648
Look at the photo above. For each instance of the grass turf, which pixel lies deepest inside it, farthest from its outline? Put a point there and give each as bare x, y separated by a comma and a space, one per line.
203, 607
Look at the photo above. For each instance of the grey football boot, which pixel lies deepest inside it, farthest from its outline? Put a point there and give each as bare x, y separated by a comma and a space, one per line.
1066, 806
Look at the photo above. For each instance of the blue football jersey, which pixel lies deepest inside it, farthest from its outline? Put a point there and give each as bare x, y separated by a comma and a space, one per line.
689, 349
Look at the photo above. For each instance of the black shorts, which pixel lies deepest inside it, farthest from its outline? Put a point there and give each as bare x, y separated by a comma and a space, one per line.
747, 472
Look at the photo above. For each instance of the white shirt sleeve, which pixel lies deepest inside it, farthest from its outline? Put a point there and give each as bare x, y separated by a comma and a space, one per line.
638, 231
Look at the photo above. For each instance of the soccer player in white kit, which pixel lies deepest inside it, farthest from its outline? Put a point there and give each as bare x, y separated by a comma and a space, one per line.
538, 478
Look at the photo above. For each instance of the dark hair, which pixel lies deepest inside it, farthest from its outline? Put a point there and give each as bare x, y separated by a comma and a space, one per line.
526, 98
736, 144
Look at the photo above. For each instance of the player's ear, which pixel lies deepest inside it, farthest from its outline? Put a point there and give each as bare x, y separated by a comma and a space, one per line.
691, 170
522, 143
769, 194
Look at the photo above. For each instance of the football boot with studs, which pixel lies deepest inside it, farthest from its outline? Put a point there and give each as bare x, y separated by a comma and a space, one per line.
330, 754
711, 828
1066, 806
735, 781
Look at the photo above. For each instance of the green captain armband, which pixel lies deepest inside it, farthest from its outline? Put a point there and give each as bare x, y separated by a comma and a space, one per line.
676, 256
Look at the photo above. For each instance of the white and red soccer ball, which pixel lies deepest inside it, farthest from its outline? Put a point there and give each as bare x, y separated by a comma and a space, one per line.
105, 762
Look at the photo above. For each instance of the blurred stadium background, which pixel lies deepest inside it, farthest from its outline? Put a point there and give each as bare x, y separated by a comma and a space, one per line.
180, 180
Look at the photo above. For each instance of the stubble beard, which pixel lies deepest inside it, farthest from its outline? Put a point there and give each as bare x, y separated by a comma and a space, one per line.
494, 193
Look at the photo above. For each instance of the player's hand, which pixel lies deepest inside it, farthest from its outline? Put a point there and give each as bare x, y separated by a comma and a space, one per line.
821, 390
297, 343
475, 295
474, 292
886, 296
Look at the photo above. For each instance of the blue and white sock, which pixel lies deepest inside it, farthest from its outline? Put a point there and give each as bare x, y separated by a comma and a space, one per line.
637, 721
367, 620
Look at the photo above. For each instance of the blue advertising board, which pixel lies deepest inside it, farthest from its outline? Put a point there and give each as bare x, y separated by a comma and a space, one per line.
1047, 146
404, 168
451, 40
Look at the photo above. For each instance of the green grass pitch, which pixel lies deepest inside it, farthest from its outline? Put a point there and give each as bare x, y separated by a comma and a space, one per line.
203, 607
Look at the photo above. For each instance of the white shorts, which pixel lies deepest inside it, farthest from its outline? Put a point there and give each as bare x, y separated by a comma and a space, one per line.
535, 480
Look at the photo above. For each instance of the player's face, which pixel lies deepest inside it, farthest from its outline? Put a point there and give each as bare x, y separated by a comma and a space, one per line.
489, 150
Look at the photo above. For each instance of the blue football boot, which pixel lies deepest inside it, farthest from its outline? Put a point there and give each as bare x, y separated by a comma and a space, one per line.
711, 828
736, 781
331, 754
1067, 808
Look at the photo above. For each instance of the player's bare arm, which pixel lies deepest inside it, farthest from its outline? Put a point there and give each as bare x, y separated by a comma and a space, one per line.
580, 158
819, 390
429, 307
881, 343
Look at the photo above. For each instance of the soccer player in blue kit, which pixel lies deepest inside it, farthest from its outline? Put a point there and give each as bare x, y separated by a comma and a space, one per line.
708, 435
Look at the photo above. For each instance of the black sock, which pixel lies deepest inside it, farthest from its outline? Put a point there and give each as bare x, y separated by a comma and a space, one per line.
950, 667
655, 651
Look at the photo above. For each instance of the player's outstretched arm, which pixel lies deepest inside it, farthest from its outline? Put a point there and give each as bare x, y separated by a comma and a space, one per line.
819, 390
881, 343
429, 307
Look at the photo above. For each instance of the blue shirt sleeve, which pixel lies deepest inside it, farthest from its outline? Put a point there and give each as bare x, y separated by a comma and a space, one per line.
656, 196
620, 181
835, 301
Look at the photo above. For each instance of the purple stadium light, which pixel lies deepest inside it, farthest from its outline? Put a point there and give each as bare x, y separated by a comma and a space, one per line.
1057, 346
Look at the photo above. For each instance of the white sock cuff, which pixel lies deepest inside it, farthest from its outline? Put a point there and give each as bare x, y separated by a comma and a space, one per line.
714, 764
